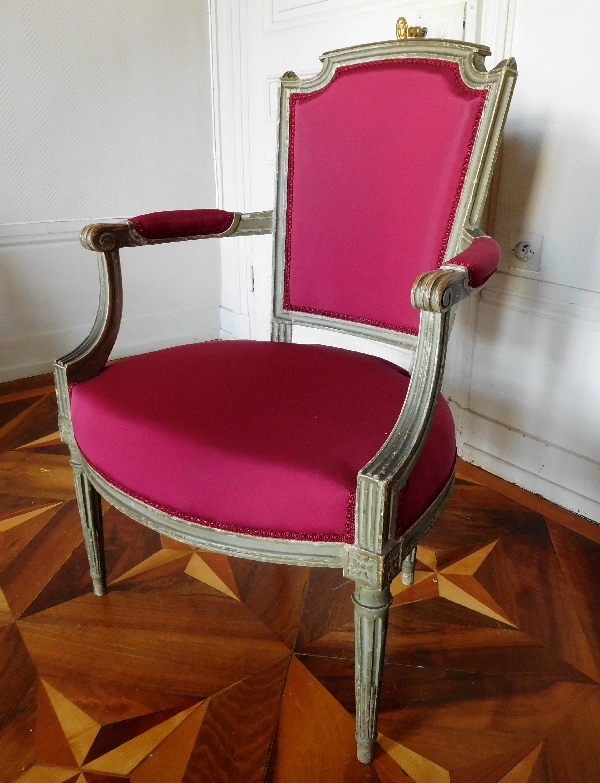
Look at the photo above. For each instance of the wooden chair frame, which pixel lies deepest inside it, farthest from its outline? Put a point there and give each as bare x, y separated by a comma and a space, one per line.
376, 556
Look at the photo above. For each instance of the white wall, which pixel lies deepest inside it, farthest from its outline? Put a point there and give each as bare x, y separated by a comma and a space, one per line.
105, 113
530, 411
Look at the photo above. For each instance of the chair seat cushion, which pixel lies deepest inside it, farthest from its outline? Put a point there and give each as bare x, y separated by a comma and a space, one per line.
253, 437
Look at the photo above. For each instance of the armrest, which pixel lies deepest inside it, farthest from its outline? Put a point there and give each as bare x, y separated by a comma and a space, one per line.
381, 480
89, 358
176, 226
439, 290
481, 260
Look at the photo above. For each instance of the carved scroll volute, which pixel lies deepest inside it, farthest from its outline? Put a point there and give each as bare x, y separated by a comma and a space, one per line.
104, 237
439, 290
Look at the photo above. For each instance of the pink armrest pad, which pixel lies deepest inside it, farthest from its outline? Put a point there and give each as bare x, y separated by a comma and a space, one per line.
481, 259
182, 223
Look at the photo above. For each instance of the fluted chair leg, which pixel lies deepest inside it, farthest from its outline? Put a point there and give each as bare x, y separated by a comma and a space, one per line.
370, 626
90, 511
408, 567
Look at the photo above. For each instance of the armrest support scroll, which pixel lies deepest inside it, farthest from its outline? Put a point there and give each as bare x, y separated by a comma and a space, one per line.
89, 358
434, 293
381, 480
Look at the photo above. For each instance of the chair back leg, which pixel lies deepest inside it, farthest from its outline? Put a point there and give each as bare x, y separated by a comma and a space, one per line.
90, 512
408, 567
371, 609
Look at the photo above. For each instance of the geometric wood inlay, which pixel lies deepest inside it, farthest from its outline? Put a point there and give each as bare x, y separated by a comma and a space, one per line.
79, 729
196, 666
522, 772
420, 769
453, 579
199, 569
123, 759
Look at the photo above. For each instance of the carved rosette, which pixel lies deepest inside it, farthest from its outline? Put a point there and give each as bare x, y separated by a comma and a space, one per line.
65, 429
369, 568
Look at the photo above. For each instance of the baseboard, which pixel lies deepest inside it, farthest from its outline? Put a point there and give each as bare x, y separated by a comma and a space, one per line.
538, 466
234, 325
35, 354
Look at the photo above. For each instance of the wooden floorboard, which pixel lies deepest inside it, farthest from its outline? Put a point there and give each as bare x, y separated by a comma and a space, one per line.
197, 667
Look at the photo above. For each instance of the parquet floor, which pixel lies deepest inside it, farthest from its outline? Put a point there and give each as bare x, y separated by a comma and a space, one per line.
201, 668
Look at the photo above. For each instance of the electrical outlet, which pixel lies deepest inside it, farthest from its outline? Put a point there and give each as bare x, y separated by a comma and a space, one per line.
526, 251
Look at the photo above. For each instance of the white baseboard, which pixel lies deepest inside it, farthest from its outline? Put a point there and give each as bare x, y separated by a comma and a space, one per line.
35, 354
535, 465
49, 296
234, 325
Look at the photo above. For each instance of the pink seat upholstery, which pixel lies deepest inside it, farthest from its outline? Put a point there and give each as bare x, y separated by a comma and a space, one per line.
262, 438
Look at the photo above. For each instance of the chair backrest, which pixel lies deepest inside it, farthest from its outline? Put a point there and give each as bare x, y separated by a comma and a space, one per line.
384, 165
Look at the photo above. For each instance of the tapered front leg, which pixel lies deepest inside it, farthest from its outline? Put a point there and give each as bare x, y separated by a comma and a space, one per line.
371, 609
90, 511
408, 567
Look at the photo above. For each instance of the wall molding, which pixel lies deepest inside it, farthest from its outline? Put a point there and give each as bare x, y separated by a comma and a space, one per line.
234, 325
230, 92
282, 14
562, 475
50, 293
544, 299
279, 14
46, 231
27, 355
535, 465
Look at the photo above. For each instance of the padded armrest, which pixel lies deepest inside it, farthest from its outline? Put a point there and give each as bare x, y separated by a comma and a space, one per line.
183, 223
481, 259
175, 226
440, 289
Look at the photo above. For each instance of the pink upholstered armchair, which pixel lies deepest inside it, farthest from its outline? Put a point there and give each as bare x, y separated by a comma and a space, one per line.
305, 454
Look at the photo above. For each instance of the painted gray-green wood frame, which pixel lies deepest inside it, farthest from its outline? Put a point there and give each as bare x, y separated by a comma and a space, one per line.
376, 556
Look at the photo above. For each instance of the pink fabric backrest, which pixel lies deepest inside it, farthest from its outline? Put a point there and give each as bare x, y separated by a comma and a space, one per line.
377, 161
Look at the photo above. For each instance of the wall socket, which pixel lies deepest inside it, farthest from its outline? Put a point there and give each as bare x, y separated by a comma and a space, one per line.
526, 251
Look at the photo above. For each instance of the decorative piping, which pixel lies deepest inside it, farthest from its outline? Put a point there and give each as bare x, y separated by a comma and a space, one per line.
294, 98
347, 537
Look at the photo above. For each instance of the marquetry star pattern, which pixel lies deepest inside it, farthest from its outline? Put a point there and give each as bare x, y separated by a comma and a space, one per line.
455, 579
200, 667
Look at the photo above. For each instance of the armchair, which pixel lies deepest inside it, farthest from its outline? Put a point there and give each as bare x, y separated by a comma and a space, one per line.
305, 454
